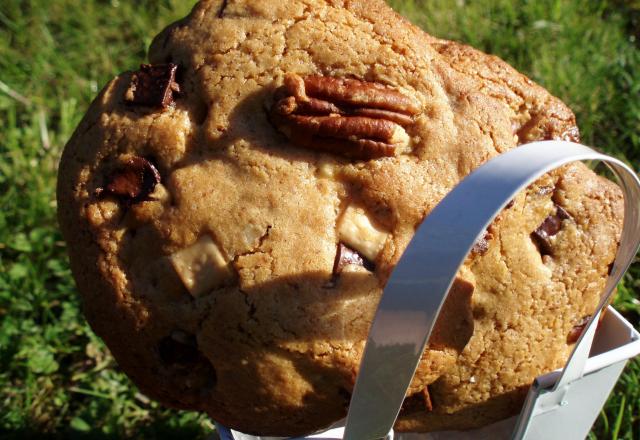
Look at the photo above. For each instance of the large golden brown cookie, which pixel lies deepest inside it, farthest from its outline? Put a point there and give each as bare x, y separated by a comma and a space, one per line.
234, 209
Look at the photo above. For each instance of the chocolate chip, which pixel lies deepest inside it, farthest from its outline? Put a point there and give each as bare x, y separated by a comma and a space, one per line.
561, 213
179, 348
346, 256
345, 395
418, 402
510, 204
185, 368
153, 85
223, 8
549, 228
577, 330
133, 181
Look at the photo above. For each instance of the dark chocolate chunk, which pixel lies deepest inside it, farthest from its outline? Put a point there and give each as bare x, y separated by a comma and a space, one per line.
133, 181
153, 85
345, 396
549, 228
418, 402
561, 213
183, 364
225, 3
577, 330
179, 348
346, 256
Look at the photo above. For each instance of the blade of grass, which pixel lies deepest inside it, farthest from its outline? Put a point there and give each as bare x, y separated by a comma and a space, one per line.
13, 94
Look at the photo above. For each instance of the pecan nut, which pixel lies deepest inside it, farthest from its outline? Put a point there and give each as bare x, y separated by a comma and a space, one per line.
132, 182
153, 86
356, 119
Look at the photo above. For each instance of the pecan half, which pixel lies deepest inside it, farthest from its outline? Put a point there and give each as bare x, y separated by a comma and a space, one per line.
356, 119
153, 85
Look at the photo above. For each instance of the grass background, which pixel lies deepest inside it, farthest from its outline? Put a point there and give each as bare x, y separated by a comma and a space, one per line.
57, 380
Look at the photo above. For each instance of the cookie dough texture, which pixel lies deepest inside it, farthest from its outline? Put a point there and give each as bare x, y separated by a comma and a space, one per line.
272, 343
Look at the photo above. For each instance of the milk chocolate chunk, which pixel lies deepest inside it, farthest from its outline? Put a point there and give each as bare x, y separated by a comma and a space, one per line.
153, 86
561, 213
133, 181
346, 256
577, 330
549, 229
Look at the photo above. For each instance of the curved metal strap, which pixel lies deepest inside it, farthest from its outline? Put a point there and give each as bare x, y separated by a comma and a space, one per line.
420, 282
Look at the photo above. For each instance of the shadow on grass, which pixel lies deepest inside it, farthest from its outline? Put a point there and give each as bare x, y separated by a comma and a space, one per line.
159, 431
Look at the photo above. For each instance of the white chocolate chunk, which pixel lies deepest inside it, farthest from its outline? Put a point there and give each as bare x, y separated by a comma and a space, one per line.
201, 266
358, 232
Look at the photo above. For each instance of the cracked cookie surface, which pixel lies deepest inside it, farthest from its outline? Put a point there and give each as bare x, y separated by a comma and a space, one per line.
234, 271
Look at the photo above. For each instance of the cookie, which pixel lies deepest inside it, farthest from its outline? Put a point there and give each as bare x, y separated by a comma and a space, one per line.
234, 209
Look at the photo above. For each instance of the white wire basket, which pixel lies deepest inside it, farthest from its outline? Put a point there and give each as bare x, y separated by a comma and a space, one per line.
562, 404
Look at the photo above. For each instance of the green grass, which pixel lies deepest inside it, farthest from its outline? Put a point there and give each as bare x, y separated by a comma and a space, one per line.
56, 377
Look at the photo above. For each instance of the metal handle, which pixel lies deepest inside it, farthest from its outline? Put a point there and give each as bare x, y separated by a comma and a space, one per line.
414, 295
